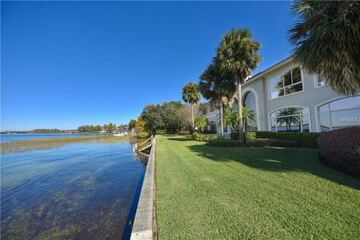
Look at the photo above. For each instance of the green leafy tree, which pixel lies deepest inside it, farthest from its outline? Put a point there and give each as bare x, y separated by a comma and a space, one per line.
122, 127
327, 42
111, 127
173, 117
191, 95
131, 124
82, 129
169, 116
140, 128
152, 118
97, 128
200, 123
90, 128
215, 87
238, 55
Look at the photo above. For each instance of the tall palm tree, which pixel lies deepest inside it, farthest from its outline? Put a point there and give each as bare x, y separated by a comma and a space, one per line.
215, 87
238, 54
327, 42
191, 95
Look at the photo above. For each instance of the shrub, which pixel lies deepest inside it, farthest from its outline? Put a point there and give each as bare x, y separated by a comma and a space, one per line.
224, 143
340, 149
247, 135
212, 136
184, 133
302, 139
266, 142
199, 137
234, 135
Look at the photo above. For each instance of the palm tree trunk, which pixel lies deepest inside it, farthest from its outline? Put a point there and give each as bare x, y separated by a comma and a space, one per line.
192, 117
241, 135
221, 120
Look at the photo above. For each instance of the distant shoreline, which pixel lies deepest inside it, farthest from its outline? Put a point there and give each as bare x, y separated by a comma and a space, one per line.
41, 132
47, 143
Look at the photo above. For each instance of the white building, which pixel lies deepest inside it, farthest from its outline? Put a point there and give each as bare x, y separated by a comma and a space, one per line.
285, 97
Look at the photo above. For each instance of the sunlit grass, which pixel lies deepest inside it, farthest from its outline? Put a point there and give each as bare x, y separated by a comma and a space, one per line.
206, 192
41, 144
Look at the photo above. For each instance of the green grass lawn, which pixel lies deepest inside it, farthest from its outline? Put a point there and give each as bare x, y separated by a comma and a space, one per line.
206, 192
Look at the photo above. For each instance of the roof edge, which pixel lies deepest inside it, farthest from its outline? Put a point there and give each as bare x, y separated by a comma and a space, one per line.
269, 69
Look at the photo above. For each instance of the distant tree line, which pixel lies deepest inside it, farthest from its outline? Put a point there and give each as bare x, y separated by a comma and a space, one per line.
108, 128
47, 130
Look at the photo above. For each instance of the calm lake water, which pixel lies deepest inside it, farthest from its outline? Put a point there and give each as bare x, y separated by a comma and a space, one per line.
78, 191
30, 136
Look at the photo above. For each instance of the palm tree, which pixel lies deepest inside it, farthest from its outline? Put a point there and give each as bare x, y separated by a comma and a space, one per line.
191, 95
216, 88
232, 117
201, 122
248, 115
327, 42
238, 58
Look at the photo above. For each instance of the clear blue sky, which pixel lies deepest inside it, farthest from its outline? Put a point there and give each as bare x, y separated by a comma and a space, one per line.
65, 64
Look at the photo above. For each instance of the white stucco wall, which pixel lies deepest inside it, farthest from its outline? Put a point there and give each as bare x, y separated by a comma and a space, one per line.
311, 97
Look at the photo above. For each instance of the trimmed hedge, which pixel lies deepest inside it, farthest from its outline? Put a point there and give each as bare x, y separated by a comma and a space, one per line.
266, 142
224, 143
340, 149
302, 139
247, 135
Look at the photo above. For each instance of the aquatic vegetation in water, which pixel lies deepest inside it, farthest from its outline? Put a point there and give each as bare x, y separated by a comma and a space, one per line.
41, 144
78, 191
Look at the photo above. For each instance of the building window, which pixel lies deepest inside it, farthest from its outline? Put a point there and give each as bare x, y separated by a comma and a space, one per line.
291, 119
319, 82
250, 103
286, 84
340, 113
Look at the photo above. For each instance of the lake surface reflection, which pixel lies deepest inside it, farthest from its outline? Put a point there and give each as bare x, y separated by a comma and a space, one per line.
78, 191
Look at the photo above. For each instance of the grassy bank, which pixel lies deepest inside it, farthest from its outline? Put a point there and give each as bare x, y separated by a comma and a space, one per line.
206, 192
40, 144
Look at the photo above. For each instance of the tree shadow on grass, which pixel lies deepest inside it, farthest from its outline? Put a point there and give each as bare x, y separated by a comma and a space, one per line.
179, 139
277, 159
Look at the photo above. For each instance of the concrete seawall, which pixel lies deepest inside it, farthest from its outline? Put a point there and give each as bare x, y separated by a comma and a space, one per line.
143, 228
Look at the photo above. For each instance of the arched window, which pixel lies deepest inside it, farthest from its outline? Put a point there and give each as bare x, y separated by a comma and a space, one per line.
339, 113
249, 101
290, 119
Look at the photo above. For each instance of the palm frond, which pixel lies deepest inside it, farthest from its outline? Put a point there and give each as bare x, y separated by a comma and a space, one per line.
327, 42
